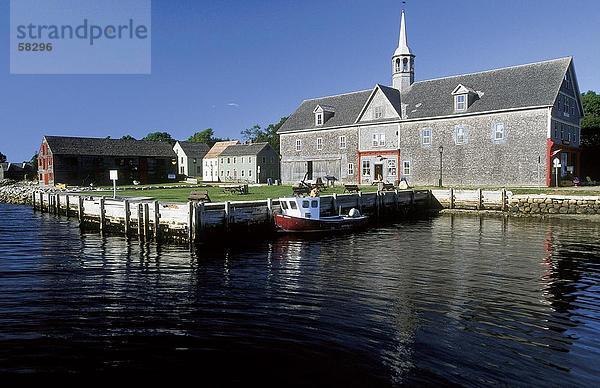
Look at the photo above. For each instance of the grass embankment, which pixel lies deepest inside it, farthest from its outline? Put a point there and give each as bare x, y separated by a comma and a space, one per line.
217, 194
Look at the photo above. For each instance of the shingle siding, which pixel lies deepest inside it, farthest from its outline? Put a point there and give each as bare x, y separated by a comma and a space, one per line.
519, 159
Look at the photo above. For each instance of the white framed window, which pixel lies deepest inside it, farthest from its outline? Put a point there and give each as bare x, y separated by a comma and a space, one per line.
298, 145
234, 160
406, 167
221, 172
242, 159
392, 167
249, 172
342, 142
319, 119
378, 112
249, 159
366, 168
228, 173
460, 136
319, 144
460, 102
426, 137
242, 172
378, 139
498, 131
350, 168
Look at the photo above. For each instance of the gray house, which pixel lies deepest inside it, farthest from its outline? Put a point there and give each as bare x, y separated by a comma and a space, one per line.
496, 127
251, 163
189, 157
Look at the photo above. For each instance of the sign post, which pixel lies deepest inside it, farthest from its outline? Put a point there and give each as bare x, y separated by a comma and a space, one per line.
557, 166
114, 176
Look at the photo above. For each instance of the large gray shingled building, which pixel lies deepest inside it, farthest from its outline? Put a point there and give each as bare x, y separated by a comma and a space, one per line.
496, 127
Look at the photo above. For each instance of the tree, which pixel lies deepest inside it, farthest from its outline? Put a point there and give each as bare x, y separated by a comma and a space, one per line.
34, 162
269, 135
160, 136
2, 158
590, 125
205, 136
128, 137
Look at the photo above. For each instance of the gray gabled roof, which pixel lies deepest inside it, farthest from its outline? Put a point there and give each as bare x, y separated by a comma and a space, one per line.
245, 149
347, 107
89, 146
530, 85
535, 84
194, 149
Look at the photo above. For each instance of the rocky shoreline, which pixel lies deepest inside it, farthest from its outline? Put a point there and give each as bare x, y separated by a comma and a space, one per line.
19, 193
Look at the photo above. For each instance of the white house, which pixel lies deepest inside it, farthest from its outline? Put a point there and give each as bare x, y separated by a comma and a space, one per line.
189, 158
211, 160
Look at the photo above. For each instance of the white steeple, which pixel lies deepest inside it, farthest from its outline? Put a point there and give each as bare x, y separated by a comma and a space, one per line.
403, 72
403, 48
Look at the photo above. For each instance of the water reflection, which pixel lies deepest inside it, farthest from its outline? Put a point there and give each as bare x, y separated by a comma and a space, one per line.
466, 300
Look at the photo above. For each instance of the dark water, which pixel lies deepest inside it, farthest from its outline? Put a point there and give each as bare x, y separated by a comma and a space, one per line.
463, 300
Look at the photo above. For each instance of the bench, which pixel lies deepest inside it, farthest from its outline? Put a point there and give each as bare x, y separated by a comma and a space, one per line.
300, 190
351, 188
238, 189
199, 196
388, 187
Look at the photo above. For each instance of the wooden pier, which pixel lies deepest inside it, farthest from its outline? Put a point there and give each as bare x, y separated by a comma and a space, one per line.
150, 220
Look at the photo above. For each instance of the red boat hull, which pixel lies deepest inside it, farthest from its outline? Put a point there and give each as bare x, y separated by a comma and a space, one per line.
325, 224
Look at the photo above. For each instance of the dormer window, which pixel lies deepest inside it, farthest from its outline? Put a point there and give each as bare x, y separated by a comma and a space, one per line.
319, 119
460, 103
322, 114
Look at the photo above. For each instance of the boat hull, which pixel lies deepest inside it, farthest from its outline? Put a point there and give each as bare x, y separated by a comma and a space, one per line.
324, 224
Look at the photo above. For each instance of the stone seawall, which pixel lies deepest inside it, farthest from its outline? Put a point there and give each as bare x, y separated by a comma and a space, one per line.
18, 192
554, 204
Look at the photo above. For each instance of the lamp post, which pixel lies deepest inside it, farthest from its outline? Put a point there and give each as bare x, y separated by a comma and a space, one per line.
441, 149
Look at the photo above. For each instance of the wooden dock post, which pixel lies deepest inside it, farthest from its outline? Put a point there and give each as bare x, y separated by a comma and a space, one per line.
359, 201
140, 221
270, 209
378, 201
504, 204
33, 200
334, 202
190, 221
41, 201
202, 216
127, 217
156, 220
80, 210
479, 199
67, 204
147, 221
451, 198
102, 215
396, 200
49, 201
57, 203
227, 212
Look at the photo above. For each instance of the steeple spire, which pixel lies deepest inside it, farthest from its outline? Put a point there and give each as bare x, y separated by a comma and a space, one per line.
403, 48
403, 61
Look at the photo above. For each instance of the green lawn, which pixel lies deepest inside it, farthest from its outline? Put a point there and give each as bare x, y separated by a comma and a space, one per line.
216, 194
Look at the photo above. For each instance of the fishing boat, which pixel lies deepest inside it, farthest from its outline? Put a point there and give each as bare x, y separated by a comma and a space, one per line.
303, 214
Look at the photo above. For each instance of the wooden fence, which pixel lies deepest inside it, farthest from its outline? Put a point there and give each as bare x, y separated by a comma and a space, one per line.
471, 199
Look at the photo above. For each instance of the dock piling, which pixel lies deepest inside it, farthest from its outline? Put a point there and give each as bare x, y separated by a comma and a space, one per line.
102, 215
156, 220
127, 217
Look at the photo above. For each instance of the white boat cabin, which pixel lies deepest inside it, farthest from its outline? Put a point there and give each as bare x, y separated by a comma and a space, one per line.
301, 207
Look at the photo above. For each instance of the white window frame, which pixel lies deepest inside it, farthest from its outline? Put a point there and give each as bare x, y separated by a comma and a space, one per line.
426, 134
319, 143
343, 142
366, 168
298, 145
460, 106
378, 140
406, 167
499, 129
382, 139
378, 112
459, 129
319, 119
392, 169
350, 168
374, 140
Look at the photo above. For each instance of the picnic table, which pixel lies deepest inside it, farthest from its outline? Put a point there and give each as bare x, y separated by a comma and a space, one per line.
199, 196
235, 189
351, 188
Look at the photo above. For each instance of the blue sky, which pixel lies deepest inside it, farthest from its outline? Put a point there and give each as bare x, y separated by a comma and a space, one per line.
232, 64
